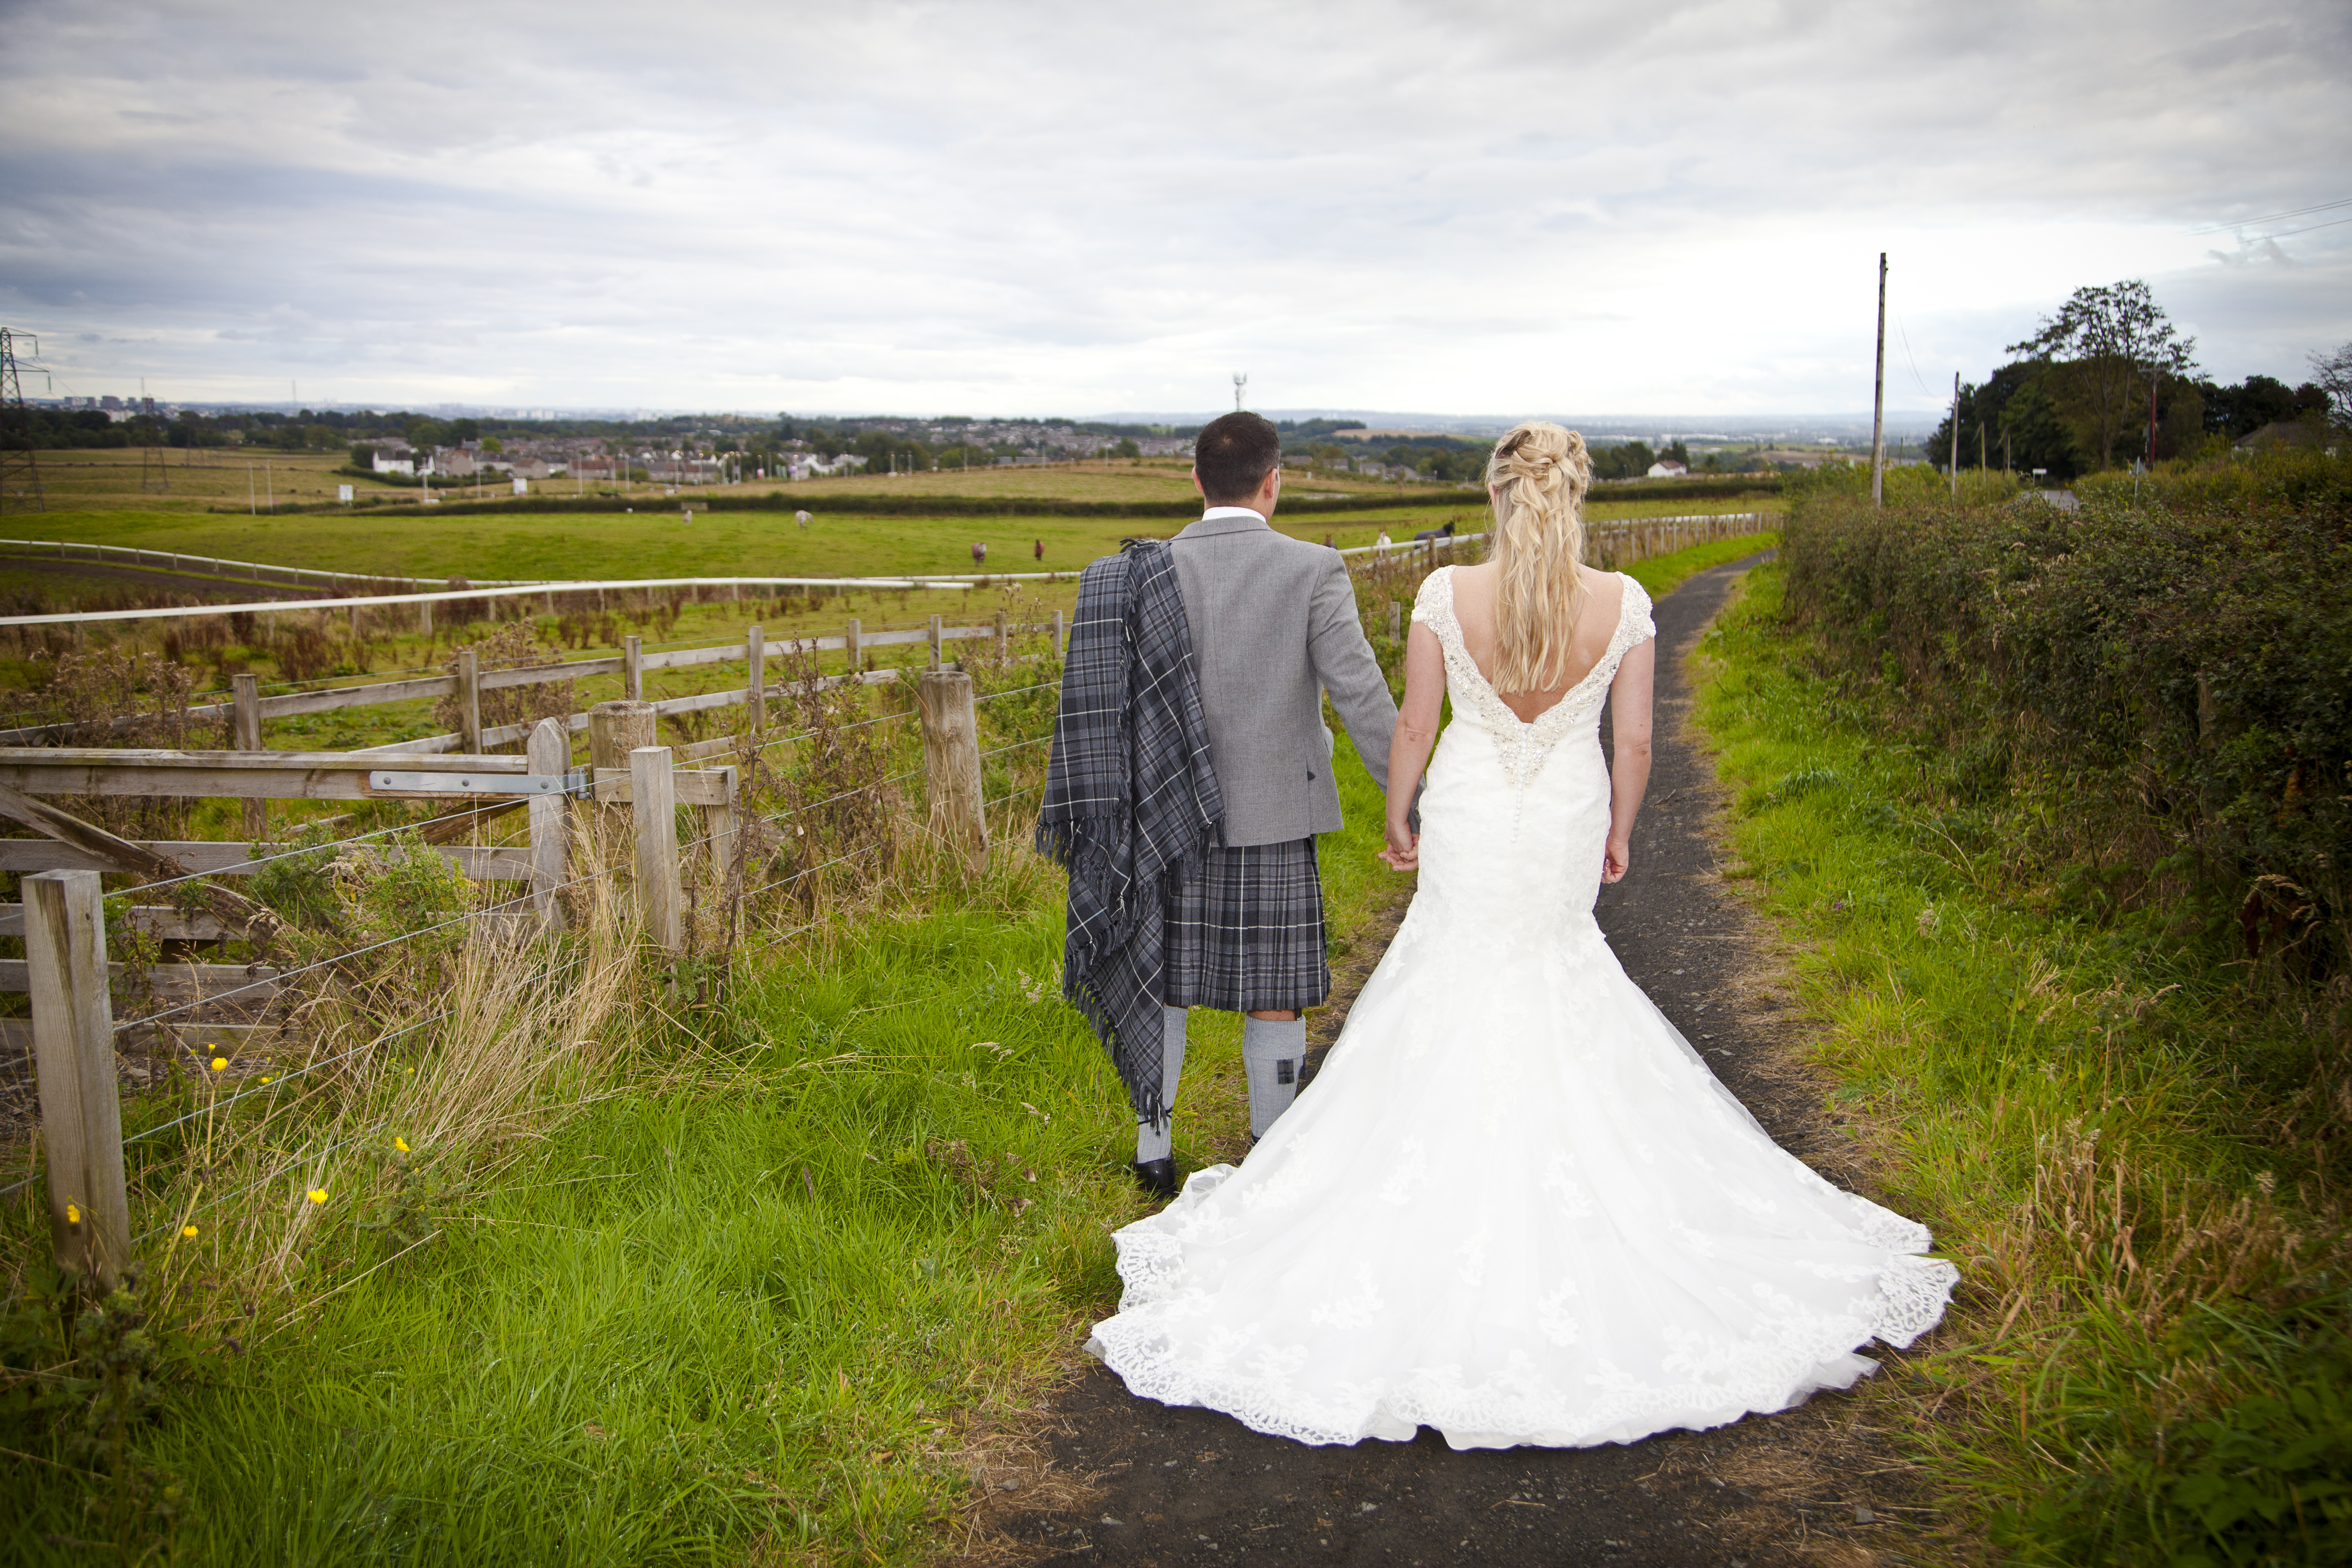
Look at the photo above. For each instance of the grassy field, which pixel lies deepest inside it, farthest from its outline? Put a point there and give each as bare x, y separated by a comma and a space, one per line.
652, 542
769, 1285
2139, 1368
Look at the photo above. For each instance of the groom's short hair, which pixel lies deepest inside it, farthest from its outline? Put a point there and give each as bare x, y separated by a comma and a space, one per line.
1232, 455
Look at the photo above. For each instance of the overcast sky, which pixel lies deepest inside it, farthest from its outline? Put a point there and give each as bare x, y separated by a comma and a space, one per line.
1466, 207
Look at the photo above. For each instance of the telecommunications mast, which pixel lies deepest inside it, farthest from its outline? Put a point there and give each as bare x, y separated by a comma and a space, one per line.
1240, 379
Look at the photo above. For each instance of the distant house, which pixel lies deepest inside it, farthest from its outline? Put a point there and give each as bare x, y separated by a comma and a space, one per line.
395, 461
1667, 469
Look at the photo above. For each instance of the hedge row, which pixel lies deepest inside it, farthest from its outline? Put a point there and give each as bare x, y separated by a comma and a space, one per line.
2192, 661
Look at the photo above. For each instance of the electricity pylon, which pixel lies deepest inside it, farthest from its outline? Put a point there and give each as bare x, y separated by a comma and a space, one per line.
20, 475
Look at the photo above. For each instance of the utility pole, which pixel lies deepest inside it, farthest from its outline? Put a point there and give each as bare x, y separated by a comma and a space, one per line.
1956, 434
2153, 372
1878, 399
20, 473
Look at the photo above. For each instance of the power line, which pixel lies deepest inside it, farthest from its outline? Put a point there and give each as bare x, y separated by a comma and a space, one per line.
2307, 228
2274, 217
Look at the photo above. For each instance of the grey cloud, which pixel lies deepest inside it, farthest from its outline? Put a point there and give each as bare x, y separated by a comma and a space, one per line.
1076, 207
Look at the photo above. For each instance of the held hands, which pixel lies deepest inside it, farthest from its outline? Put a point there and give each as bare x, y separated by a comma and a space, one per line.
1403, 851
1615, 857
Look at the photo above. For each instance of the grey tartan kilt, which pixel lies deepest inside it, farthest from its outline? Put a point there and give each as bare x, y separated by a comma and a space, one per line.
1243, 931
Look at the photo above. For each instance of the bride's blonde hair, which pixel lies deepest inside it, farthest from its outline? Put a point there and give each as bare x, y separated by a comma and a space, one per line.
1539, 473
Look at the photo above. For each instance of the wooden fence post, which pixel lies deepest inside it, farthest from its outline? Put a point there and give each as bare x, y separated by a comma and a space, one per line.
1003, 647
1058, 634
936, 660
718, 827
852, 637
549, 752
654, 794
467, 669
951, 763
615, 728
633, 668
245, 715
1396, 620
424, 619
73, 1046
755, 654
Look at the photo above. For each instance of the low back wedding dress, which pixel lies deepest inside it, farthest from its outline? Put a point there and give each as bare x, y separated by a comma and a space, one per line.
1515, 1206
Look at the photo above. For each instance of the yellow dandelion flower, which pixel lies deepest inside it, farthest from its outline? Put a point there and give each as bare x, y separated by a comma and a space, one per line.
318, 1194
73, 1215
267, 1080
220, 1064
189, 1231
401, 1145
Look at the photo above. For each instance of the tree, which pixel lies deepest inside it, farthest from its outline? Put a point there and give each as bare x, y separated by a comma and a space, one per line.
2333, 375
2237, 412
2104, 345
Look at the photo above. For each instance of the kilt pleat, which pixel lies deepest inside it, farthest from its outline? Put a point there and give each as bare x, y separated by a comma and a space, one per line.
1243, 931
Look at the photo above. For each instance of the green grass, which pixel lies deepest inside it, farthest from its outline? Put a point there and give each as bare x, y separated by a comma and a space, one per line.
2145, 1362
750, 1304
652, 542
746, 1300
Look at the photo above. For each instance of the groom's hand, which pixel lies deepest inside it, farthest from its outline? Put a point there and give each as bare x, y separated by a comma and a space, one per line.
1403, 851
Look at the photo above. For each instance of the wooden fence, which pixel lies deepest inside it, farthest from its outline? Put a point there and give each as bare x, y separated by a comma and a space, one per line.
73, 985
466, 681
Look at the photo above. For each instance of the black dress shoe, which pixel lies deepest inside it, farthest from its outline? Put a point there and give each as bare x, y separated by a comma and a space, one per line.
1156, 1177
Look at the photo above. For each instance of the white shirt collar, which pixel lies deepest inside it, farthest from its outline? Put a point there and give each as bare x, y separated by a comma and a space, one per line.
1232, 511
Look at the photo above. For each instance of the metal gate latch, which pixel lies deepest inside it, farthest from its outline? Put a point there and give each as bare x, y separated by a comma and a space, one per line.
575, 782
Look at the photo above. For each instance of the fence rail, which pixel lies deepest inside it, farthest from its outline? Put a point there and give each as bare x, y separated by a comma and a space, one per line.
246, 708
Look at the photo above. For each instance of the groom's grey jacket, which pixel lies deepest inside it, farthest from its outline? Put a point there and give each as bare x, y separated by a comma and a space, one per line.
1273, 626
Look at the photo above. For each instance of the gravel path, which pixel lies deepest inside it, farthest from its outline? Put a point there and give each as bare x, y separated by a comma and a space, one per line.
1183, 1487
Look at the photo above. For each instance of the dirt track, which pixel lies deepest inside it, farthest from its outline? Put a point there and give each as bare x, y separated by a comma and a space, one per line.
1179, 1487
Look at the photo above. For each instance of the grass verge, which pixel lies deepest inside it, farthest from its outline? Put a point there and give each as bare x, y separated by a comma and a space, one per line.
2146, 1362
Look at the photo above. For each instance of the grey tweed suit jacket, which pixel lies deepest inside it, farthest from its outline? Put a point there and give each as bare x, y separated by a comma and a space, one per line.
1274, 627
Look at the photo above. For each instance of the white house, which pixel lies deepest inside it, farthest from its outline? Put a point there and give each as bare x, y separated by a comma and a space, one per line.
395, 460
1667, 469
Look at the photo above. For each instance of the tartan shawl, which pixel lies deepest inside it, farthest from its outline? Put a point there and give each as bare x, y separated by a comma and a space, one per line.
1130, 799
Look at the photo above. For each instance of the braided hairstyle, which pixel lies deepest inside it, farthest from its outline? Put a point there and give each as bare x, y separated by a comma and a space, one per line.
1539, 474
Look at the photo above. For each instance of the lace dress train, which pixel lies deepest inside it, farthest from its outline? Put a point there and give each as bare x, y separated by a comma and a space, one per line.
1515, 1206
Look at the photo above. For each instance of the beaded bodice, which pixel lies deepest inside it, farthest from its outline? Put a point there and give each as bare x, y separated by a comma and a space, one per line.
1521, 744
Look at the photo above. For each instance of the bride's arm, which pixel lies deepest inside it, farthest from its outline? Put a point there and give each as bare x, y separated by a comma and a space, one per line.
1416, 731
1628, 735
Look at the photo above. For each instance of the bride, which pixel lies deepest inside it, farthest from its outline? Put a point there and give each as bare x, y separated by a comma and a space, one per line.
1515, 1206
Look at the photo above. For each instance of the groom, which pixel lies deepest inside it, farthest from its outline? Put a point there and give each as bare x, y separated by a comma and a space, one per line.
1271, 624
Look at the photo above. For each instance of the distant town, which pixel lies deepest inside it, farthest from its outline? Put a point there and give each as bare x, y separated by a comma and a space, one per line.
529, 445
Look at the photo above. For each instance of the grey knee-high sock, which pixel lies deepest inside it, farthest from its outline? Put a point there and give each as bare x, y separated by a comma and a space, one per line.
1154, 1141
1272, 1050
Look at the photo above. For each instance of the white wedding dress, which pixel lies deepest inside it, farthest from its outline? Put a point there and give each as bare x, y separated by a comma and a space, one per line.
1514, 1206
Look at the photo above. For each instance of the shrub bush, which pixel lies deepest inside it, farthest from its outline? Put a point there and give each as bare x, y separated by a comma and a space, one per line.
2190, 664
